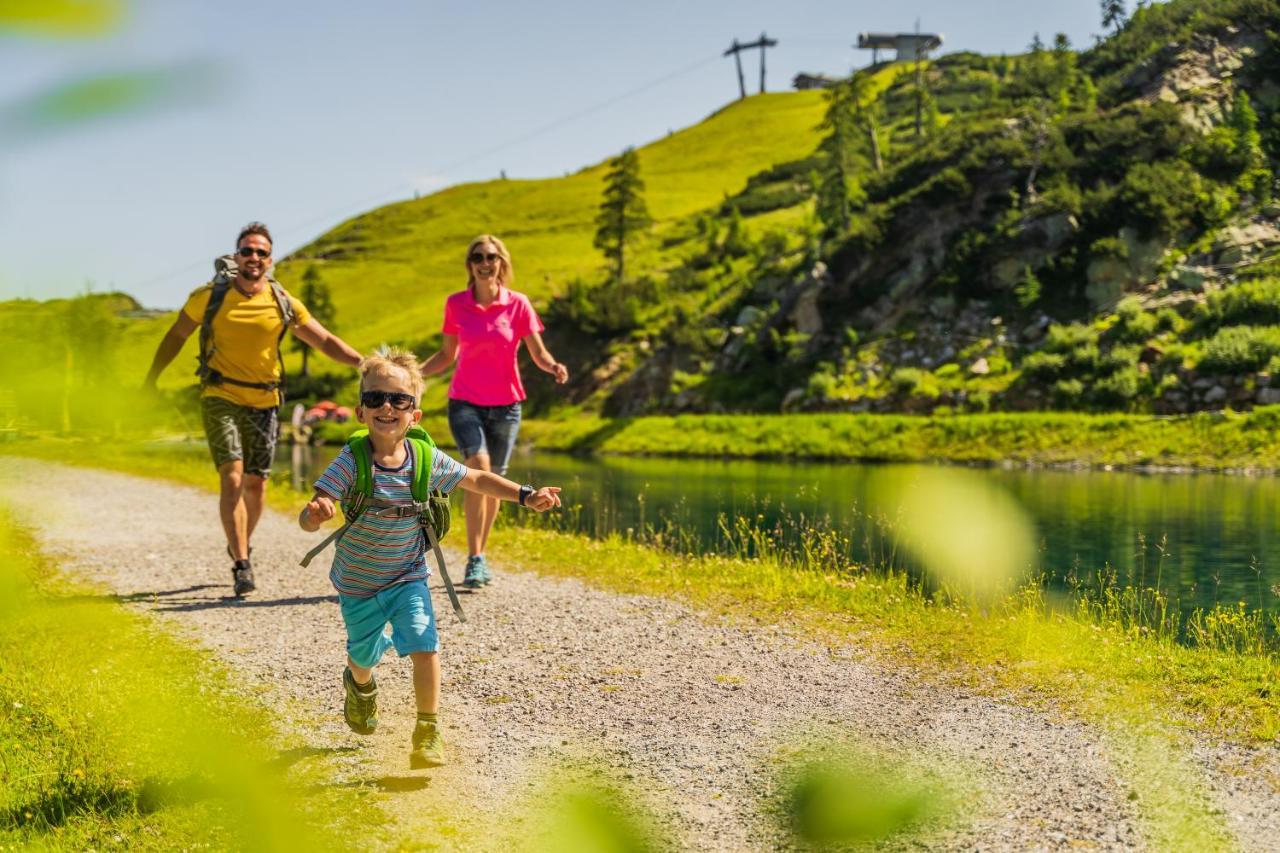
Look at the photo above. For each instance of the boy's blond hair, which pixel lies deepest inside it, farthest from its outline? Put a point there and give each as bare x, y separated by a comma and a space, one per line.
385, 359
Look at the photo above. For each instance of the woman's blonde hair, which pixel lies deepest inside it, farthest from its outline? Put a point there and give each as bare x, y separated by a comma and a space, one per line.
385, 359
506, 272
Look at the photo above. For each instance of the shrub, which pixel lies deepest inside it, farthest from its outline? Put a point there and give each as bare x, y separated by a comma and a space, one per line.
1237, 349
1118, 388
1134, 324
1255, 302
1044, 365
1068, 391
1164, 197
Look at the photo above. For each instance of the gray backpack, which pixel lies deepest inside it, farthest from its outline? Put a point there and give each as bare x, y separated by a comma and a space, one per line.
225, 272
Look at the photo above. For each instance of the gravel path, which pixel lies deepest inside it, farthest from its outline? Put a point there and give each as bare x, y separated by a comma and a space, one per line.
689, 708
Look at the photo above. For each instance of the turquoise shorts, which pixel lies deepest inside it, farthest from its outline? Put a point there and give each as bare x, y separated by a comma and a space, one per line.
406, 606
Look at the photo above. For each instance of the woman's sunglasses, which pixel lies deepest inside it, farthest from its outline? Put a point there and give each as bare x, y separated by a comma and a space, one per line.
249, 251
399, 402
479, 257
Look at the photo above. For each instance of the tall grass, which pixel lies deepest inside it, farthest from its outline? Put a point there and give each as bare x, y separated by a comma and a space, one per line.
113, 733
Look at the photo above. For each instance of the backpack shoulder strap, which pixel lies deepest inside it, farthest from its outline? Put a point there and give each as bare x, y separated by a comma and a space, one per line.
283, 304
423, 458
217, 295
362, 489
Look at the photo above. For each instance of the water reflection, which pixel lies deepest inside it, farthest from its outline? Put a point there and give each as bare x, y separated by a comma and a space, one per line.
1204, 538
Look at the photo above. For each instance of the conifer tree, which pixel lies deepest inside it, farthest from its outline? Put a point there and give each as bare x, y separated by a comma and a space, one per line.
623, 212
1243, 120
834, 182
1113, 14
316, 296
852, 130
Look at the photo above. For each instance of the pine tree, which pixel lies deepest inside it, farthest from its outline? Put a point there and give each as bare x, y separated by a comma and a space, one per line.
1243, 120
1113, 14
315, 295
838, 145
623, 213
852, 132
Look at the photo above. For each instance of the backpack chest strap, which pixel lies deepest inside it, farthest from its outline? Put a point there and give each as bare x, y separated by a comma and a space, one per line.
411, 510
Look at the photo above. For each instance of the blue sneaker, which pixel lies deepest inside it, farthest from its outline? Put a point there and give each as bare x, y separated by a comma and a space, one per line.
474, 578
485, 574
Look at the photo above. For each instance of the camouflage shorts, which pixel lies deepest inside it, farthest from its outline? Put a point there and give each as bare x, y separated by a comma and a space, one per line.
240, 432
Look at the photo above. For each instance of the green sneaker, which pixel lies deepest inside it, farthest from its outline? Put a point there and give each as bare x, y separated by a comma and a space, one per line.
428, 747
474, 578
360, 709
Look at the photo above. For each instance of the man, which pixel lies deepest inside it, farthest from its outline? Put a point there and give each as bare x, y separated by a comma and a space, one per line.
240, 371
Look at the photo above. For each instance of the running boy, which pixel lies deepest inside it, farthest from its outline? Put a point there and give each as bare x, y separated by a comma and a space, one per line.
379, 566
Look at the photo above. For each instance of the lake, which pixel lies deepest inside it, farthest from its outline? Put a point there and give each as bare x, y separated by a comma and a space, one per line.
1209, 538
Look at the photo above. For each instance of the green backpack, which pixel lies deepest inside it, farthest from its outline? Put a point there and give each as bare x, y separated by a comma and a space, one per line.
429, 506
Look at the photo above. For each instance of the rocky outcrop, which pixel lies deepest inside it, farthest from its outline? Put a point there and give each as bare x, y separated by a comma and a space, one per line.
1133, 264
1197, 75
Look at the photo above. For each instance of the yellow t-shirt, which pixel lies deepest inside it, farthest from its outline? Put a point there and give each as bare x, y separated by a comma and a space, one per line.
245, 332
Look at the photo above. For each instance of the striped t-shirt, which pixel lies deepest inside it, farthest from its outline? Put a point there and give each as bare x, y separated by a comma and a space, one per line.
378, 552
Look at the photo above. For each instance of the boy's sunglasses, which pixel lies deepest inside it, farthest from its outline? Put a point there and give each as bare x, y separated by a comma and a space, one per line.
399, 402
479, 258
249, 251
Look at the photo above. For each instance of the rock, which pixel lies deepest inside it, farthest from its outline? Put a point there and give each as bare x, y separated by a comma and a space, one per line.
943, 307
1268, 396
1050, 232
1109, 276
748, 315
792, 399
980, 367
1216, 394
1188, 278
806, 315
1034, 330
1237, 243
1262, 380
1271, 211
1007, 272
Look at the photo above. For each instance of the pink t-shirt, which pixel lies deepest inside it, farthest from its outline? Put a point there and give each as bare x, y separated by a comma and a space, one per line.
488, 341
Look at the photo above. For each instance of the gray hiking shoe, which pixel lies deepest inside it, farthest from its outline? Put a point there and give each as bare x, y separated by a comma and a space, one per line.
428, 747
242, 578
360, 709
485, 575
474, 578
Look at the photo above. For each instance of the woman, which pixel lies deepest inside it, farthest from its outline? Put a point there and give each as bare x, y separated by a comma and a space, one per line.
483, 328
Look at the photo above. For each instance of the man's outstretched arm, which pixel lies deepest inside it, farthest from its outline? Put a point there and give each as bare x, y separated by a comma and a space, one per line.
170, 346
325, 341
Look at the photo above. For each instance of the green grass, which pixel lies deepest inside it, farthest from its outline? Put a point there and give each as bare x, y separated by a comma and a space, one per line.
1208, 440
114, 733
407, 257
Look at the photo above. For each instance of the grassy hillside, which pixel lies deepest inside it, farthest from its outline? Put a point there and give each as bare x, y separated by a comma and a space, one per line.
1058, 230
408, 256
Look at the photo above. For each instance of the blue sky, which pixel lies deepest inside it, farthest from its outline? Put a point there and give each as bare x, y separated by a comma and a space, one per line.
303, 119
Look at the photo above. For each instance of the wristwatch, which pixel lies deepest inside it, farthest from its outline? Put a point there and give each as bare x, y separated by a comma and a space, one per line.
525, 492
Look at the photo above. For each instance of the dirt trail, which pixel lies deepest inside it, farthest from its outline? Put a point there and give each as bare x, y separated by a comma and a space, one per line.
689, 708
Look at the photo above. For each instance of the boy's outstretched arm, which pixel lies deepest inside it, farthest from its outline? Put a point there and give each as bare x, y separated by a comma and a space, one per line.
496, 486
317, 511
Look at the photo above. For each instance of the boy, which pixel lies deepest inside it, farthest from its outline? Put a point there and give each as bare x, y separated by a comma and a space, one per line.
379, 566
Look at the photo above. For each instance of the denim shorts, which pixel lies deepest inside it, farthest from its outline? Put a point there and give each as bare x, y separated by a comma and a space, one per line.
485, 429
407, 606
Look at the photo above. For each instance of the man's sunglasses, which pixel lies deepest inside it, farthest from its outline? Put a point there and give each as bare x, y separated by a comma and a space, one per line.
400, 402
479, 258
249, 251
